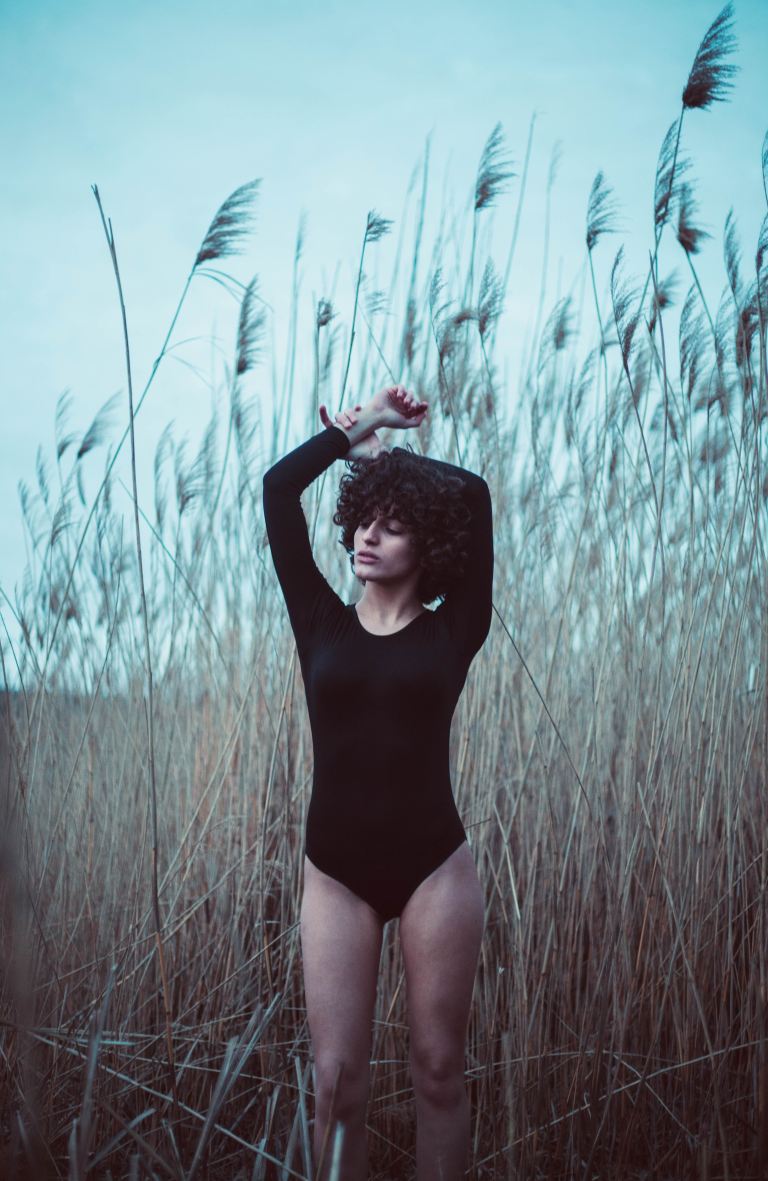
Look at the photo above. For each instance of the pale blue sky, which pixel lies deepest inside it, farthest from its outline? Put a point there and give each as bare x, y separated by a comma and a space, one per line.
168, 107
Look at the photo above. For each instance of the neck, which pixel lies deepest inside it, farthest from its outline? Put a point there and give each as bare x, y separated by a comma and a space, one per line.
389, 604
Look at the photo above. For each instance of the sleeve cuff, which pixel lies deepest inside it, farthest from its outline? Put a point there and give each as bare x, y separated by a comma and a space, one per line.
343, 443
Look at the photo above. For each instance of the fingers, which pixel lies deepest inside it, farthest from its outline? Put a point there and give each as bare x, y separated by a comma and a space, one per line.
344, 417
407, 403
348, 417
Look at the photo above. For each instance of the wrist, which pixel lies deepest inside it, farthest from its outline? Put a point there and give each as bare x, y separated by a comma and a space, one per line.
368, 420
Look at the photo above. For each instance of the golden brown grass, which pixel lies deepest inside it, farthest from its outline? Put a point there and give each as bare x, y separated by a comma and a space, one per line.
609, 753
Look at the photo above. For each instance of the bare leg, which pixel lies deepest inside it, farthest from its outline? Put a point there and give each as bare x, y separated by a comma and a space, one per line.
441, 930
341, 948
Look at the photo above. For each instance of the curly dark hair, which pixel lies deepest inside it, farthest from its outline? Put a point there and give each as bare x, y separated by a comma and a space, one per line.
399, 483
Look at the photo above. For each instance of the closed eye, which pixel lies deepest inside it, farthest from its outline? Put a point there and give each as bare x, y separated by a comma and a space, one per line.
389, 528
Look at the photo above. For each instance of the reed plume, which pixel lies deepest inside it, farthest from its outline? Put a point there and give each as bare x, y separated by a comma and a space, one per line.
63, 407
663, 297
623, 297
761, 254
689, 235
230, 225
251, 328
710, 78
556, 333
732, 255
98, 430
376, 226
691, 342
490, 301
494, 170
324, 313
602, 211
669, 168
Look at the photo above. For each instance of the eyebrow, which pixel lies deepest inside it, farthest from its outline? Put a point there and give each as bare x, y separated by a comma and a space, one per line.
369, 516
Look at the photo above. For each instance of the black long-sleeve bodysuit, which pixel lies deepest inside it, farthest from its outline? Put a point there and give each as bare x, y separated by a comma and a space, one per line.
382, 815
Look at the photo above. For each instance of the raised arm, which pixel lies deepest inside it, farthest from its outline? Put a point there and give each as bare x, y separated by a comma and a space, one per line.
468, 604
304, 588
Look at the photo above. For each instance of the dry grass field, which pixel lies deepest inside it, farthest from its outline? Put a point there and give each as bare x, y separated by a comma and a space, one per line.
608, 755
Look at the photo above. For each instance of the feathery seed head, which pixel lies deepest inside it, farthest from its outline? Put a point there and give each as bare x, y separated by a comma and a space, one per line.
710, 78
732, 255
669, 169
601, 211
42, 475
164, 446
188, 478
435, 291
490, 302
622, 297
556, 332
762, 246
410, 331
692, 341
747, 322
662, 297
561, 328
446, 339
689, 236
230, 225
63, 441
62, 519
376, 226
250, 332
324, 314
493, 172
585, 379
462, 316
376, 301
722, 332
97, 431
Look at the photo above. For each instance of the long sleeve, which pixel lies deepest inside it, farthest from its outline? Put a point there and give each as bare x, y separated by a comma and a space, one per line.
468, 604
304, 588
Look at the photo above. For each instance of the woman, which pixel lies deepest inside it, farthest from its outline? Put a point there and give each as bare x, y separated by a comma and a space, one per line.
384, 839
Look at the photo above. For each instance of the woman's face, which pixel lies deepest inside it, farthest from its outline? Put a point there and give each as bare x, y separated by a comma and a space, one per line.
393, 554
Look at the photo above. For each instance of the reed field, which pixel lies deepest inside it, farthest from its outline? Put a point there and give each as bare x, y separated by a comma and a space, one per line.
608, 755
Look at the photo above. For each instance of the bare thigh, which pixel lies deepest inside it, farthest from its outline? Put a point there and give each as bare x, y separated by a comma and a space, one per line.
441, 929
341, 948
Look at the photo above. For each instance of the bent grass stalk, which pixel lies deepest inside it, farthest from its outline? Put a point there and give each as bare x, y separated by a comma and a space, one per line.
148, 658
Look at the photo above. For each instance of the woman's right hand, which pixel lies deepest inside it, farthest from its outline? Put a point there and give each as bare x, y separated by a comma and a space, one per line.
396, 407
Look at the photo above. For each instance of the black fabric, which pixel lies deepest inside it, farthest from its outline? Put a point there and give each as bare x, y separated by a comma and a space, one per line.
382, 815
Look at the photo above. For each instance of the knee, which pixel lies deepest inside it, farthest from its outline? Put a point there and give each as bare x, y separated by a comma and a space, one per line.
438, 1078
341, 1089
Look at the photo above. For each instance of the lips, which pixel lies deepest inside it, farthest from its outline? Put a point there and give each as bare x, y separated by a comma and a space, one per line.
363, 557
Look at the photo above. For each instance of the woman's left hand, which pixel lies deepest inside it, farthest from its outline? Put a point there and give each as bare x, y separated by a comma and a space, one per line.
368, 447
